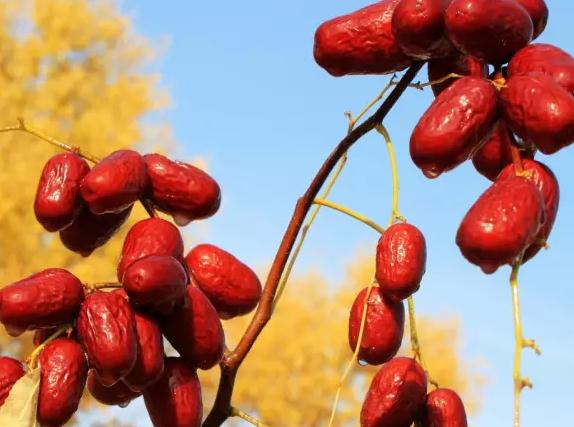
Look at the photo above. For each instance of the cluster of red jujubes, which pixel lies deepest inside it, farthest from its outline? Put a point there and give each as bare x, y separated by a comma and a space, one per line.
115, 340
499, 99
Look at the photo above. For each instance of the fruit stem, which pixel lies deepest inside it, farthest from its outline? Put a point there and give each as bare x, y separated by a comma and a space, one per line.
101, 285
421, 86
353, 120
33, 357
148, 206
516, 160
236, 412
353, 214
23, 127
351, 362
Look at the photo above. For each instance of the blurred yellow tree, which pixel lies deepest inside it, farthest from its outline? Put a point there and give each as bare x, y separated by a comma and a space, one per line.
76, 70
291, 375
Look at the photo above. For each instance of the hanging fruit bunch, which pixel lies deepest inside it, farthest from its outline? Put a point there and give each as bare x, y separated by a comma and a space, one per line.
498, 101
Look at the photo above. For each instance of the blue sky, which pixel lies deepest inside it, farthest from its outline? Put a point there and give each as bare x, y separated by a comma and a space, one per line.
248, 96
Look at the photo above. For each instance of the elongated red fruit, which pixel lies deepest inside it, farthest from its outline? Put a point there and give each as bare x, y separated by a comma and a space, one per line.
538, 12
90, 231
152, 236
195, 331
63, 374
175, 400
231, 286
181, 190
502, 223
418, 27
383, 330
546, 59
439, 68
396, 393
496, 153
115, 183
107, 332
401, 261
155, 282
547, 184
49, 298
455, 125
361, 42
539, 110
149, 363
491, 31
118, 394
58, 199
443, 408
11, 370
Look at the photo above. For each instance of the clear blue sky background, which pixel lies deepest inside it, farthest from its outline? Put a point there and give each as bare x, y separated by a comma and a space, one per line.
248, 96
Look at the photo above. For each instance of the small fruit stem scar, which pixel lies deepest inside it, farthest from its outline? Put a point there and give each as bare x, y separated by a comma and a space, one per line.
351, 362
519, 343
236, 412
23, 127
33, 358
421, 86
343, 209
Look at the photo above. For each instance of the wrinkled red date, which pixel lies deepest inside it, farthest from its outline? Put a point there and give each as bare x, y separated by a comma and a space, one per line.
106, 330
115, 183
401, 261
118, 394
538, 12
63, 374
45, 299
501, 224
231, 286
361, 42
11, 370
175, 400
58, 199
455, 125
383, 330
185, 192
496, 153
195, 331
443, 408
396, 393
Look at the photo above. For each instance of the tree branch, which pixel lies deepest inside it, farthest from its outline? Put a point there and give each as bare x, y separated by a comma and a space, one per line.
230, 365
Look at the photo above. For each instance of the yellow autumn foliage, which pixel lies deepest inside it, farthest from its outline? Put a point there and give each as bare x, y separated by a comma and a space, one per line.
292, 373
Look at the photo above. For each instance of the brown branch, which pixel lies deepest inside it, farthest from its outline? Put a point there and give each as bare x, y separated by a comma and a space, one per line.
229, 366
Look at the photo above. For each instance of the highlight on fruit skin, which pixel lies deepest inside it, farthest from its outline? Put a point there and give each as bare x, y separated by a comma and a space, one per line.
361, 42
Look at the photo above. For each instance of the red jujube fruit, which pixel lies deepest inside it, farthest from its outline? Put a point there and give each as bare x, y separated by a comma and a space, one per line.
384, 327
538, 12
63, 374
106, 330
181, 190
90, 231
539, 110
401, 261
455, 125
547, 184
395, 395
443, 408
491, 31
502, 223
49, 298
231, 286
546, 59
58, 199
152, 236
418, 27
361, 42
155, 282
11, 370
195, 331
175, 399
118, 394
464, 65
496, 153
115, 183
149, 363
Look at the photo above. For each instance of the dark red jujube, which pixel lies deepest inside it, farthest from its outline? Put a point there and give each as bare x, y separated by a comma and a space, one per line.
443, 408
496, 153
384, 327
11, 370
459, 64
361, 42
232, 287
538, 12
58, 200
118, 394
